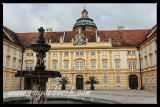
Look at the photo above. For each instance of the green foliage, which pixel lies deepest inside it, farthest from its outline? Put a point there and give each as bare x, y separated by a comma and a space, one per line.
63, 81
92, 80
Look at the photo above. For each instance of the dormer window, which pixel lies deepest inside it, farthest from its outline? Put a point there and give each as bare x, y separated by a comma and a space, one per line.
115, 39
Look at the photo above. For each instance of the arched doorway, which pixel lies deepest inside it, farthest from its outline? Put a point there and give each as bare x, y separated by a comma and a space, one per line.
133, 82
79, 82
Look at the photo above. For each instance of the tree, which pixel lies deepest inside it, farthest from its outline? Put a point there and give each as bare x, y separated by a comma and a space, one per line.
92, 80
63, 81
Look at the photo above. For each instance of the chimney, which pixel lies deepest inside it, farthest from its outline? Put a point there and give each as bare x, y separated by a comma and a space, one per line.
48, 29
120, 28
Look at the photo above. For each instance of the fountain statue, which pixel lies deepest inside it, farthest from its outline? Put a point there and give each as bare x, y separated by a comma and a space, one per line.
39, 76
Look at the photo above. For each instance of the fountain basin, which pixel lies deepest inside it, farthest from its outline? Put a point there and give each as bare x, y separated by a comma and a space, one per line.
40, 47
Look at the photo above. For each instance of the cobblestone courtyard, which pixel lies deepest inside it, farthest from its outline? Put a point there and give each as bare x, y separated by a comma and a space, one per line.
121, 96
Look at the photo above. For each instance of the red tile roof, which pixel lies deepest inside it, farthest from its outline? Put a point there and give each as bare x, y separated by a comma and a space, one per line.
125, 37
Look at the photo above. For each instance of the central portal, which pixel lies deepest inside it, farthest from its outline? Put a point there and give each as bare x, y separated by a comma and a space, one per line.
79, 82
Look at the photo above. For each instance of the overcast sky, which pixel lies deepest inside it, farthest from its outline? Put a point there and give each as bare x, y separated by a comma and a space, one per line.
22, 17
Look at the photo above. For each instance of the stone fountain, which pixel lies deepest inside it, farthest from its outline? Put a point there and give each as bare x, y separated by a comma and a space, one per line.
39, 76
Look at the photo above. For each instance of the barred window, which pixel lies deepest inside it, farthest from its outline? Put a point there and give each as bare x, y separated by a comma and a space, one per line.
104, 65
152, 78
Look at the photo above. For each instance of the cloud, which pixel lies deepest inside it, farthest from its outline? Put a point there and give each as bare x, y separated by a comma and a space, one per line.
60, 16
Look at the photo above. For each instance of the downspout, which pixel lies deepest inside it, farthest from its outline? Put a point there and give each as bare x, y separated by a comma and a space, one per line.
141, 88
21, 68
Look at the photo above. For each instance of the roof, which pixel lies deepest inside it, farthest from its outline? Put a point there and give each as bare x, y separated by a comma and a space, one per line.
11, 36
125, 37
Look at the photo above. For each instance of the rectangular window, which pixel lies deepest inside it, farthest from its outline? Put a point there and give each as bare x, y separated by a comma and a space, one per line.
81, 65
66, 65
66, 53
104, 65
7, 63
54, 80
31, 66
31, 54
134, 65
14, 51
116, 52
77, 53
92, 53
146, 62
118, 79
117, 65
77, 65
152, 78
133, 52
54, 65
14, 64
6, 79
81, 53
104, 53
27, 54
12, 80
54, 53
8, 49
129, 52
20, 53
92, 65
141, 63
151, 61
19, 65
18, 80
130, 65
105, 80
27, 66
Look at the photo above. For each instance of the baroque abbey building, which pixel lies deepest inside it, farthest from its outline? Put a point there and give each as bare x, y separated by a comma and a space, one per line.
119, 59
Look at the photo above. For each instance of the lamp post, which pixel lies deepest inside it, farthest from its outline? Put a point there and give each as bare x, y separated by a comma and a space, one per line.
141, 88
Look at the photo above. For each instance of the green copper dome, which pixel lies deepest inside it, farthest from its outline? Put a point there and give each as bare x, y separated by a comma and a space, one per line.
84, 21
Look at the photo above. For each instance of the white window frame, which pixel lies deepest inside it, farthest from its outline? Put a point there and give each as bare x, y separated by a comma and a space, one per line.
14, 64
92, 52
65, 53
129, 52
104, 65
130, 65
117, 65
54, 65
93, 65
116, 52
77, 53
27, 66
118, 80
134, 65
81, 53
81, 65
66, 65
54, 53
104, 53
133, 52
77, 65
7, 62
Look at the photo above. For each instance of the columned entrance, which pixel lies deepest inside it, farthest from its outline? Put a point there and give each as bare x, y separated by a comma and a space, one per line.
79, 82
133, 82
